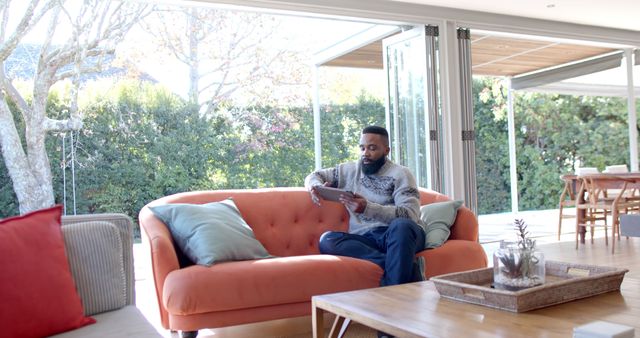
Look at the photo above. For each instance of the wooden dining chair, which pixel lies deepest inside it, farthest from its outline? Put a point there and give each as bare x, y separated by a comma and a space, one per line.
567, 199
619, 169
588, 213
597, 204
568, 196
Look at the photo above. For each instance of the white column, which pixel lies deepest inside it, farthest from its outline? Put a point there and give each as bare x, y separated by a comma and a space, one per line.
467, 119
631, 108
316, 119
451, 119
513, 163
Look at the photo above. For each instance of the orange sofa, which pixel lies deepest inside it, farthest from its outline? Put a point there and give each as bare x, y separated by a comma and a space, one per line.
288, 224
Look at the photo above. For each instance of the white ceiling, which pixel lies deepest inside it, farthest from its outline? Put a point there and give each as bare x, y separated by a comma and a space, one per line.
623, 14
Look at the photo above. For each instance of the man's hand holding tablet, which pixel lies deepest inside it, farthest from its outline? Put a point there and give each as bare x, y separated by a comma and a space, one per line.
332, 194
352, 201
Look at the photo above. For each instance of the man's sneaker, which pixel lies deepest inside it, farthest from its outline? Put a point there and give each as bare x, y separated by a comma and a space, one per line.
420, 273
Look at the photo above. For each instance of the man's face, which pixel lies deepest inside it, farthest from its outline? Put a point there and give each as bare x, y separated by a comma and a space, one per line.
374, 149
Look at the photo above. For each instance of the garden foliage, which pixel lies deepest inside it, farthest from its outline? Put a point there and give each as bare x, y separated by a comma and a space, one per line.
140, 142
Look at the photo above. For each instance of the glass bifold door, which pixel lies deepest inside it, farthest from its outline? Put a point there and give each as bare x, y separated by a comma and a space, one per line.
412, 109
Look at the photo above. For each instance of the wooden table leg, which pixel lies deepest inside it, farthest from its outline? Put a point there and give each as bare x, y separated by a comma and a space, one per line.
582, 231
581, 214
317, 319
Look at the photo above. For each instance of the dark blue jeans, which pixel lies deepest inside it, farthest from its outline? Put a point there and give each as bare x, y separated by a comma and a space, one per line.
392, 247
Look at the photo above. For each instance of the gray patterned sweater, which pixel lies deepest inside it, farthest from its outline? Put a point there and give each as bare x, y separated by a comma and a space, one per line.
391, 193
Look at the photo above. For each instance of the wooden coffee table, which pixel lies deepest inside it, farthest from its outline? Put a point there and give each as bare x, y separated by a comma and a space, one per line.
416, 310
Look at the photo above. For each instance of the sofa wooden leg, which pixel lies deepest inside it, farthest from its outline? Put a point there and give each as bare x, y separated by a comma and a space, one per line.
188, 334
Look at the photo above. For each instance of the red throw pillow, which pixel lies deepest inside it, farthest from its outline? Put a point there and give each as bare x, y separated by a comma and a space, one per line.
38, 296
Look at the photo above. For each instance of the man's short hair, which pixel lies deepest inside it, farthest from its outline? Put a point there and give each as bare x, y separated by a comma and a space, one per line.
376, 130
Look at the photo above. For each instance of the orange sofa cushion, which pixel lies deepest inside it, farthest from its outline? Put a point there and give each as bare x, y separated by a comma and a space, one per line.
250, 284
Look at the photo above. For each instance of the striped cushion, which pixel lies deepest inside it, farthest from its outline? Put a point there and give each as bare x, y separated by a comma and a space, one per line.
94, 250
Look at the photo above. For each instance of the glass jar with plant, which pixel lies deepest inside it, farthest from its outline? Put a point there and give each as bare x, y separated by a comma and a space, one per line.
518, 265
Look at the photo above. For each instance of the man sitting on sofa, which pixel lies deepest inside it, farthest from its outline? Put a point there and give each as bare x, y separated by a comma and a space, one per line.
383, 212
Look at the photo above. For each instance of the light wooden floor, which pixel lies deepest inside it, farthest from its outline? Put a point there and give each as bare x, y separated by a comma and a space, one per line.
493, 228
627, 253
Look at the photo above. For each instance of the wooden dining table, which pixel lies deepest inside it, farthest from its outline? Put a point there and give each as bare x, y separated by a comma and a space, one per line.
622, 182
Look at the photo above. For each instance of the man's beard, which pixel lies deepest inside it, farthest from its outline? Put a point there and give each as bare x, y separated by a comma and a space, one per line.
373, 167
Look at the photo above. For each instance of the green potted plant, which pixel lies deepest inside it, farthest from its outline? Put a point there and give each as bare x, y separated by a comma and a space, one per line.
518, 265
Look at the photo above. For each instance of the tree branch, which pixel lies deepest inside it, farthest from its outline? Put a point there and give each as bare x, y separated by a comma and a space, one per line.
62, 125
83, 70
14, 95
26, 24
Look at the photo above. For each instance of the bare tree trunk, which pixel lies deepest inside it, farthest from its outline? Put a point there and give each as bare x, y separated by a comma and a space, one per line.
97, 27
35, 135
32, 193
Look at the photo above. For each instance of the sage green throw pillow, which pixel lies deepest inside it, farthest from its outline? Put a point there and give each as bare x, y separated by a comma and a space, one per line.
211, 233
437, 219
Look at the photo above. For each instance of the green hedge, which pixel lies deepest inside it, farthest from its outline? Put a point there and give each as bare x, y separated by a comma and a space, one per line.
140, 142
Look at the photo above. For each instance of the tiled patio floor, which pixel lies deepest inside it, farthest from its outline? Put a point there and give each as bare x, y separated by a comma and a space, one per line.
543, 225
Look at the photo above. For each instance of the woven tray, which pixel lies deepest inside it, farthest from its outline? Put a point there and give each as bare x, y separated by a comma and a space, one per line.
564, 282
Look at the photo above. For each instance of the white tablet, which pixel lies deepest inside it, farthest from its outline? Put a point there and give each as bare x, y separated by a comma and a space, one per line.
332, 194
